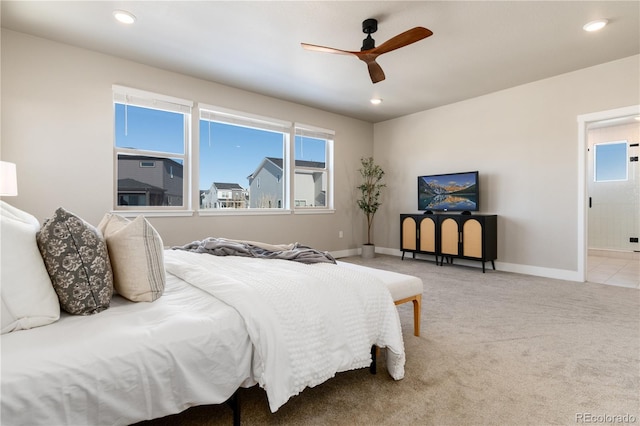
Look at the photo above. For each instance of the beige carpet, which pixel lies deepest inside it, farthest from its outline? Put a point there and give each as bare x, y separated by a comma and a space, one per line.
496, 349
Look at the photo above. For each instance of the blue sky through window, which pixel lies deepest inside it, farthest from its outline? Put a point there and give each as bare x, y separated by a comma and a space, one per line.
231, 153
149, 129
611, 161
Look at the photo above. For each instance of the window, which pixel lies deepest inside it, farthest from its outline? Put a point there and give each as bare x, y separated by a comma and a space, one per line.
152, 136
247, 152
313, 155
245, 162
253, 152
610, 161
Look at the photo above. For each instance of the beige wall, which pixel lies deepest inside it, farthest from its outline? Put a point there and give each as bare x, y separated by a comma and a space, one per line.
57, 125
524, 142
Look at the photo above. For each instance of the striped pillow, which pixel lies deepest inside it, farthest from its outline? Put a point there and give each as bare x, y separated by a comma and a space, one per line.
137, 257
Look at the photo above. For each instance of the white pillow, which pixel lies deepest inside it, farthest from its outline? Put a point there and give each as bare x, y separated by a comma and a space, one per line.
28, 297
137, 257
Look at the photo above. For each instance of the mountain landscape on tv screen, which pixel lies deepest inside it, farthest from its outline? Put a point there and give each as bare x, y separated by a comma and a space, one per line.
457, 192
434, 188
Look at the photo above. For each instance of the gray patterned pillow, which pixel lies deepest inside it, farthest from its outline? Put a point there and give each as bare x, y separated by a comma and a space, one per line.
76, 259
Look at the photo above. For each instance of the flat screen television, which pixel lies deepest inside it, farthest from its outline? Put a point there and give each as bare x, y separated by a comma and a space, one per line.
450, 192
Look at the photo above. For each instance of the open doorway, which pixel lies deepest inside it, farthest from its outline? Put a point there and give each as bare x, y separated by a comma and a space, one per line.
611, 251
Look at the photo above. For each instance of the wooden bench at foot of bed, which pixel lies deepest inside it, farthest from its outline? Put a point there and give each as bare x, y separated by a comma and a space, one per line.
403, 289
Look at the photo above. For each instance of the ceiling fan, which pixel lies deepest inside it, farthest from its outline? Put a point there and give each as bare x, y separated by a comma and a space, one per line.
368, 53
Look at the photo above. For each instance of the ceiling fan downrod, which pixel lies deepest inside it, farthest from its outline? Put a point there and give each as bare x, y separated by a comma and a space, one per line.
369, 26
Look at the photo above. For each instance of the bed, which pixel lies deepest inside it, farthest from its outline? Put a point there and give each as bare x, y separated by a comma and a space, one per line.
131, 362
219, 323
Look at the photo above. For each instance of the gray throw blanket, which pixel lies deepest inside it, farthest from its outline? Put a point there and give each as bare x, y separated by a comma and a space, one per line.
225, 247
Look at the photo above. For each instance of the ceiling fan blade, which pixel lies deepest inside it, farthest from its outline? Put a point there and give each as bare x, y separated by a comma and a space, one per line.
375, 72
401, 40
324, 49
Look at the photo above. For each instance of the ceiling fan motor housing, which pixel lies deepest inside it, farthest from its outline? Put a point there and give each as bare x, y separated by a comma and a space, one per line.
369, 26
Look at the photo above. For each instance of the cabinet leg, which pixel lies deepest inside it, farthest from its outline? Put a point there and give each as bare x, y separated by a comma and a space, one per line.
402, 256
493, 265
483, 266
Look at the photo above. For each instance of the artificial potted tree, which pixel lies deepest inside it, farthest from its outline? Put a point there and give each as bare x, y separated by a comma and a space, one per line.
369, 201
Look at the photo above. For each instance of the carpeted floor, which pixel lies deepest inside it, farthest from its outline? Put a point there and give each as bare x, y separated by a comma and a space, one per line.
496, 349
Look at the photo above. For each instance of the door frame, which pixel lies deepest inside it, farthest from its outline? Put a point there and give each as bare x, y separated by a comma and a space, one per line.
583, 121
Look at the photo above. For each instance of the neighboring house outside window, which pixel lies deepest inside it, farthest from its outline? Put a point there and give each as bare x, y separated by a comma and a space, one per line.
152, 133
224, 196
265, 191
145, 185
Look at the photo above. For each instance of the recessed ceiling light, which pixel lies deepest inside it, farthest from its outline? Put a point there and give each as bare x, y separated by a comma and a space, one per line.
376, 101
595, 25
124, 16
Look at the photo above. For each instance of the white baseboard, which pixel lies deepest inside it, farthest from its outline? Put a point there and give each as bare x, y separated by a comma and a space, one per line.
345, 253
560, 274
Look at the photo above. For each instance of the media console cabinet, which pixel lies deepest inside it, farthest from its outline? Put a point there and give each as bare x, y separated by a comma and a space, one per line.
448, 236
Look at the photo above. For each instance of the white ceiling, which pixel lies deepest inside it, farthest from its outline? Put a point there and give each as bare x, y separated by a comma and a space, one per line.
478, 47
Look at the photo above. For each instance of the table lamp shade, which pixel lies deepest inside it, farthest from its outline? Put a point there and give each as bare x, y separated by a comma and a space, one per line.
8, 179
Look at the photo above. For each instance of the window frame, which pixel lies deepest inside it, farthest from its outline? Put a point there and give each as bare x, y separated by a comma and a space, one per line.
143, 99
306, 130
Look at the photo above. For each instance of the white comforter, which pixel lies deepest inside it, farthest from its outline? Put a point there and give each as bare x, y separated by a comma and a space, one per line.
131, 362
306, 322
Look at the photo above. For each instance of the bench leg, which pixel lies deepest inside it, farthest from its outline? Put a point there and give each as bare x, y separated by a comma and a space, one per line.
417, 309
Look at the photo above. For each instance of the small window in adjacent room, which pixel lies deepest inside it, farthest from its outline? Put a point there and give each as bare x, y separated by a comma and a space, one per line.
610, 161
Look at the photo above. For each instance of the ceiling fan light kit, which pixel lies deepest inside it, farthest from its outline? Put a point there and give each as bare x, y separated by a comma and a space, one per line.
595, 25
369, 52
124, 17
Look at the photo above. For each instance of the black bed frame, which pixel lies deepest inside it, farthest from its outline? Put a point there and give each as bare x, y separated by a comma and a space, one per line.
234, 401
